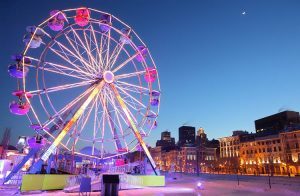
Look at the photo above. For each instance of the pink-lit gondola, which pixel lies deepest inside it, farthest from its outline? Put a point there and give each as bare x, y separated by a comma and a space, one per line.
56, 23
150, 74
20, 93
33, 38
82, 17
16, 69
19, 108
141, 57
105, 24
125, 37
122, 150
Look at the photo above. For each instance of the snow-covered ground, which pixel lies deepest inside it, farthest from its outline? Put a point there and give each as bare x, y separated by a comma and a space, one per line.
212, 185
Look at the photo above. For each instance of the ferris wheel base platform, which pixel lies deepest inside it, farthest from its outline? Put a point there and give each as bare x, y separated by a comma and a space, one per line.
44, 182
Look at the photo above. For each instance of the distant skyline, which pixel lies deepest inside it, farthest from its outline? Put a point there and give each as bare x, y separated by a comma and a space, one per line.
219, 68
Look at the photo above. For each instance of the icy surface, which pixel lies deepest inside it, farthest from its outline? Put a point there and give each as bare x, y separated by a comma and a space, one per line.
212, 185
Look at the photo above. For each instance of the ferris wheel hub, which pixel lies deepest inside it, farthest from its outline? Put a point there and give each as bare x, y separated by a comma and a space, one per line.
108, 77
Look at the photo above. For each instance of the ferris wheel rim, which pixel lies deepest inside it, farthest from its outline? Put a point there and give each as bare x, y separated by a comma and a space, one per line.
158, 83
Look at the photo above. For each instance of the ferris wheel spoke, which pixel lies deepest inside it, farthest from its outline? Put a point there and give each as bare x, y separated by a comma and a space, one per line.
66, 59
59, 69
61, 87
137, 87
102, 51
95, 124
63, 68
125, 62
133, 88
87, 51
78, 57
129, 75
88, 48
133, 98
86, 118
117, 112
103, 127
68, 107
108, 47
79, 54
130, 113
115, 54
97, 49
109, 119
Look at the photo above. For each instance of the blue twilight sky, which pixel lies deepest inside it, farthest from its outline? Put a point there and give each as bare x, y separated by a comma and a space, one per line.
219, 69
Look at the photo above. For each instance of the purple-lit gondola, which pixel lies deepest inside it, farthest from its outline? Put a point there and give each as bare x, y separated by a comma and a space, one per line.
105, 24
141, 57
36, 142
19, 108
38, 127
16, 69
56, 23
125, 37
154, 102
155, 93
33, 37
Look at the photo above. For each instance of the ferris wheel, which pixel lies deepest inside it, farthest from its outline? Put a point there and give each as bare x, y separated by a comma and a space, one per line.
85, 78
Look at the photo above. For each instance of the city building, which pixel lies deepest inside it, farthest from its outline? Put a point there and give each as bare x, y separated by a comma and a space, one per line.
188, 161
229, 152
186, 136
277, 122
156, 154
201, 137
166, 142
291, 151
262, 155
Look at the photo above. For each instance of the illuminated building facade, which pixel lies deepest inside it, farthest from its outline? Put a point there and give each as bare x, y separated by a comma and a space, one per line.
230, 151
262, 155
290, 143
188, 162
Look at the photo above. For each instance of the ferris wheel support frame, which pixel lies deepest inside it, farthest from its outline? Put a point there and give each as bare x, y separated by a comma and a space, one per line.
134, 128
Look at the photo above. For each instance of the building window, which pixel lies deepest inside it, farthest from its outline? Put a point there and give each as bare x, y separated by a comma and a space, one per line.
264, 150
278, 141
274, 141
279, 148
258, 143
296, 145
263, 143
275, 149
295, 136
259, 150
